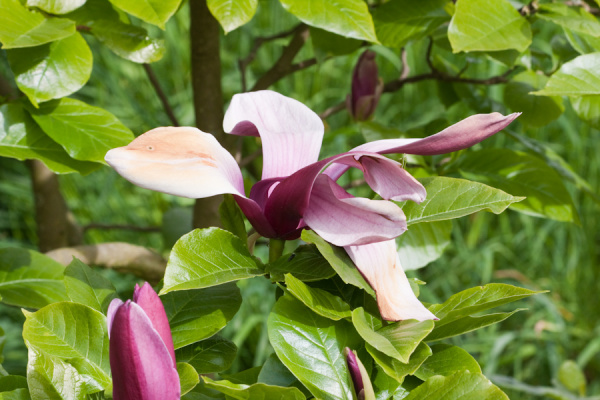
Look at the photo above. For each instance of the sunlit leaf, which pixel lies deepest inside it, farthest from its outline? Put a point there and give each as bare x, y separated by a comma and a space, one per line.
156, 12
575, 78
423, 243
188, 377
318, 300
56, 6
232, 14
86, 286
255, 391
446, 360
464, 385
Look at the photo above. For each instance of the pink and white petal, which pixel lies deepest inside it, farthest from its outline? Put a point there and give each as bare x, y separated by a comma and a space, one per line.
140, 362
347, 220
291, 133
110, 314
380, 266
256, 216
461, 135
392, 182
182, 161
148, 300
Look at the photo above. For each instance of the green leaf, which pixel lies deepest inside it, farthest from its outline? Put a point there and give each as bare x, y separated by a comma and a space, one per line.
255, 391
396, 369
232, 217
208, 257
398, 21
329, 44
576, 19
56, 6
348, 18
571, 376
387, 387
156, 12
215, 354
274, 373
305, 263
318, 300
575, 78
522, 175
30, 279
74, 333
232, 14
449, 198
480, 25
398, 340
53, 70
11, 382
423, 243
463, 385
22, 138
588, 109
198, 314
86, 286
582, 43
339, 261
86, 132
51, 378
311, 347
466, 324
446, 360
188, 377
536, 110
20, 27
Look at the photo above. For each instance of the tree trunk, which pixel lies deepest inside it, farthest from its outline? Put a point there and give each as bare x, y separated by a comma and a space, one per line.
208, 95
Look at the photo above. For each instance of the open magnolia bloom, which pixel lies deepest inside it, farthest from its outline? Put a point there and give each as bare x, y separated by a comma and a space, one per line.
297, 191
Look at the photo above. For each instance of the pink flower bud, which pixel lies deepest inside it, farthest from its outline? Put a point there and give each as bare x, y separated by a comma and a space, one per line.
366, 88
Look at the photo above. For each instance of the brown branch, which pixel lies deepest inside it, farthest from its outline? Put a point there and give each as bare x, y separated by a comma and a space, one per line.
122, 227
258, 42
121, 257
161, 95
333, 110
284, 65
251, 157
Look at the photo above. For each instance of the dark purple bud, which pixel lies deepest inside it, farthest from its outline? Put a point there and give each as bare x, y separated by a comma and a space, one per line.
354, 369
366, 88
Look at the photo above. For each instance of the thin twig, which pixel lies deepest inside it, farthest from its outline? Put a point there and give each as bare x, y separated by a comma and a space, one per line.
405, 67
251, 157
333, 110
122, 227
161, 94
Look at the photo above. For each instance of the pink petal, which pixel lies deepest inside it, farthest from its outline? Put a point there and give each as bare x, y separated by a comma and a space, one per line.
461, 135
147, 298
114, 305
141, 365
380, 266
181, 161
392, 182
344, 220
291, 133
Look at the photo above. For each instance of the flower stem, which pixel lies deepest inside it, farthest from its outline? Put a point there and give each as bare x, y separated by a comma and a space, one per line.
275, 249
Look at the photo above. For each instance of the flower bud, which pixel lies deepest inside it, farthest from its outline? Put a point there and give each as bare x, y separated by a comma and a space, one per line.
366, 88
360, 378
142, 356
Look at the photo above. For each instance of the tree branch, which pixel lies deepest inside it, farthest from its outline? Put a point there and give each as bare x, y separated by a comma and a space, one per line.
161, 95
122, 227
121, 257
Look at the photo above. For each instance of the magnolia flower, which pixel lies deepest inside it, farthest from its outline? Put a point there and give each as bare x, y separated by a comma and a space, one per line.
297, 191
366, 88
142, 357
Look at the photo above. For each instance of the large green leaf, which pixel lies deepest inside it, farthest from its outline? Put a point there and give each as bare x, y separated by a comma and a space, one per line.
339, 261
423, 243
536, 110
30, 279
463, 385
22, 138
56, 6
481, 25
188, 377
232, 14
396, 369
13, 387
398, 340
255, 391
20, 27
398, 21
232, 217
86, 132
53, 70
446, 360
156, 12
318, 300
577, 77
305, 263
349, 18
522, 175
311, 347
51, 378
86, 286
466, 324
74, 333
576, 19
449, 198
208, 257
198, 314
208, 356
330, 44
588, 109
